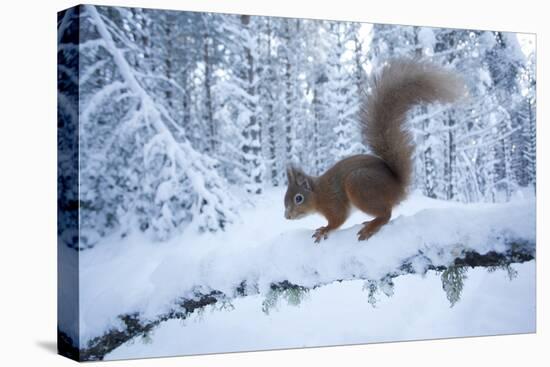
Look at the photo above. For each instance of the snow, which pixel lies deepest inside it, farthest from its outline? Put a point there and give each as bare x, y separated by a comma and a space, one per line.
514, 48
212, 207
235, 124
145, 167
427, 39
491, 304
487, 40
136, 275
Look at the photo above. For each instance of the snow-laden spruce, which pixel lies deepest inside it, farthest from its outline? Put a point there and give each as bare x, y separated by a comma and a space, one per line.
137, 276
153, 173
244, 96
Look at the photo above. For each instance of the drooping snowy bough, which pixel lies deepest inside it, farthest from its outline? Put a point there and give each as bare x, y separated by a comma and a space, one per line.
137, 161
446, 240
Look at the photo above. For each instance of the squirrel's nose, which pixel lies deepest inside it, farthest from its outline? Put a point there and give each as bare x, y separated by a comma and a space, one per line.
287, 214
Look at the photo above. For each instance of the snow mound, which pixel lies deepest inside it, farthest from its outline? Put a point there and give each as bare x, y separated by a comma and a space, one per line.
137, 275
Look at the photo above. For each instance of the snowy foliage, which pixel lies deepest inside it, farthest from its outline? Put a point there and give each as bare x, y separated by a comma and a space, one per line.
179, 110
67, 123
137, 161
477, 151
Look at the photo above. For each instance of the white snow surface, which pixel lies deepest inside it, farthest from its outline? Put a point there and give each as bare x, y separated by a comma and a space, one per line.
339, 314
427, 39
136, 274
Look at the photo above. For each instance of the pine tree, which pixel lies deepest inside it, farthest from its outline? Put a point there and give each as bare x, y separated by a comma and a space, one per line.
341, 95
136, 160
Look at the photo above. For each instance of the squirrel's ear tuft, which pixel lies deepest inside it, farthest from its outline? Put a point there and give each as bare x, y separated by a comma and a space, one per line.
298, 177
290, 174
302, 179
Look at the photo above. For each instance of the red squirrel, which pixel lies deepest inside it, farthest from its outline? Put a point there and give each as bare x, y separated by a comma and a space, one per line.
375, 183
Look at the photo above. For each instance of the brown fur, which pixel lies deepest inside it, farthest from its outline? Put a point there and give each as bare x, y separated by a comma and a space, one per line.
374, 184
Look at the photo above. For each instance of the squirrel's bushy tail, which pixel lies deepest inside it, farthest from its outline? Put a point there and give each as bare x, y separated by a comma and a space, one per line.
400, 85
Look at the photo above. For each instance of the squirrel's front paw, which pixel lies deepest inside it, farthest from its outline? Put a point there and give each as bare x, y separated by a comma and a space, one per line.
320, 234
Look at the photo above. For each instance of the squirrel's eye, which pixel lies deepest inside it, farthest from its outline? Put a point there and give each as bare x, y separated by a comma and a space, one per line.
299, 198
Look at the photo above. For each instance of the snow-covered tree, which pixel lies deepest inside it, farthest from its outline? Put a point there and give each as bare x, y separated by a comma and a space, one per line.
67, 127
474, 151
341, 94
179, 109
136, 161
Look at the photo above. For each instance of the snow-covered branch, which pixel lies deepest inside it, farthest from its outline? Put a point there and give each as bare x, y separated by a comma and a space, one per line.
163, 78
90, 44
90, 70
134, 326
431, 240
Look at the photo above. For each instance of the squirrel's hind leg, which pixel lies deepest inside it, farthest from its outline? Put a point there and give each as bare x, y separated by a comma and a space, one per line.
371, 227
372, 192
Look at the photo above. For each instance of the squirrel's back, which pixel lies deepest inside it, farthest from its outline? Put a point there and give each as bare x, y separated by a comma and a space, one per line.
400, 85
